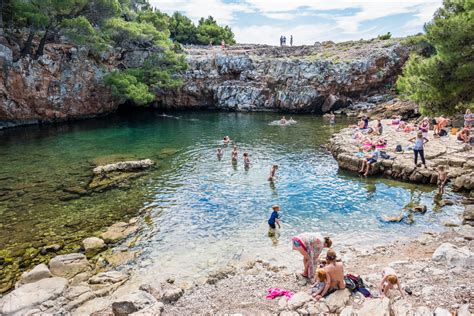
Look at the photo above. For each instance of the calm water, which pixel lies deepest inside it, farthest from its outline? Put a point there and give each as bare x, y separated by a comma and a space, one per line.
203, 211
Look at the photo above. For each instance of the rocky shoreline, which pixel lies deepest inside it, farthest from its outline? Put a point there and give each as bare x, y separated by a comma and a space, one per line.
435, 267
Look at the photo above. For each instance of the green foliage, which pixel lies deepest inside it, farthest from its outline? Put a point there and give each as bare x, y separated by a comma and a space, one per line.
137, 84
209, 32
127, 87
81, 32
158, 19
123, 32
443, 82
385, 36
182, 29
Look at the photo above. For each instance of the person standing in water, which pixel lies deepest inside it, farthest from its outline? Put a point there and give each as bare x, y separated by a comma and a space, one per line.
332, 118
220, 153
274, 218
234, 154
273, 171
246, 160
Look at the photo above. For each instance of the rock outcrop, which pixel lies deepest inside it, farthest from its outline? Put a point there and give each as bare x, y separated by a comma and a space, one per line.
63, 84
311, 79
457, 157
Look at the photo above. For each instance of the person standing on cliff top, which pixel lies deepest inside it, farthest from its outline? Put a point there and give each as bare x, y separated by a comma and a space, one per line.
291, 40
281, 40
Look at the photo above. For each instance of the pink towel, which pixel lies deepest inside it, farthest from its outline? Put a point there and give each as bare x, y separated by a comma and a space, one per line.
276, 292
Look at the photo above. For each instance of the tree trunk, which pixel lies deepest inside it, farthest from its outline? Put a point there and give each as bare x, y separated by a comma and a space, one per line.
26, 50
40, 49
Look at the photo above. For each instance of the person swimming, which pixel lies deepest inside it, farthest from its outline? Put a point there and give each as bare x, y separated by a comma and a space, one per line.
292, 121
283, 121
332, 118
220, 153
226, 139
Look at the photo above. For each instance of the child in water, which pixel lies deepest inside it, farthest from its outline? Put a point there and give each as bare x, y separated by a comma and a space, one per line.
273, 171
234, 154
246, 160
321, 278
220, 153
274, 219
442, 179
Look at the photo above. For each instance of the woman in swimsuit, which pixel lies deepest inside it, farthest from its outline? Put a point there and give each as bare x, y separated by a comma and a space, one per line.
234, 154
335, 275
310, 246
273, 171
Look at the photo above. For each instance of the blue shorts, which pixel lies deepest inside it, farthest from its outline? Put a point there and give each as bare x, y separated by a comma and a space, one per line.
371, 161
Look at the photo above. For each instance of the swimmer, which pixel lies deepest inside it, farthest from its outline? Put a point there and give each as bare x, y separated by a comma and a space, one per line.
226, 139
246, 160
283, 120
273, 171
292, 121
332, 118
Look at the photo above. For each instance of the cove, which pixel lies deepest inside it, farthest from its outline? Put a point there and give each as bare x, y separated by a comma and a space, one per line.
202, 211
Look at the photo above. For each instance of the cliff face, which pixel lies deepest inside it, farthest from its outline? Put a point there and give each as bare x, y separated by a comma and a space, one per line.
62, 84
66, 84
315, 79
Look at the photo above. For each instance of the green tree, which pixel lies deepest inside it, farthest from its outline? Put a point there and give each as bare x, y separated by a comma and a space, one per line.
443, 82
182, 29
209, 32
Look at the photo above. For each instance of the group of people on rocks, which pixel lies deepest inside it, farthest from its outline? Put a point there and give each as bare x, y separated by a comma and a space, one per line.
283, 40
372, 143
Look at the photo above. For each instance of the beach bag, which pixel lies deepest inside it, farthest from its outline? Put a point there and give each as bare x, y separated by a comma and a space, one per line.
398, 149
454, 130
384, 155
350, 284
357, 280
364, 292
443, 132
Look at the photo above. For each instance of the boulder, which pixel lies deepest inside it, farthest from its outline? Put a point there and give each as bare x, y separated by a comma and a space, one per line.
124, 166
298, 300
171, 294
93, 245
289, 313
69, 265
379, 307
348, 311
464, 310
338, 300
31, 295
155, 310
132, 303
423, 311
318, 308
468, 214
441, 312
118, 231
454, 256
109, 277
466, 231
39, 272
402, 308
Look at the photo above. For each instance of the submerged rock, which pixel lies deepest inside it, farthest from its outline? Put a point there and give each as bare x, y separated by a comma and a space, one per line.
124, 166
119, 231
93, 246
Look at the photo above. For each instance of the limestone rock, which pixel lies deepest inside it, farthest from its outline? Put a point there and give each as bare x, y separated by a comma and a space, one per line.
466, 231
39, 272
69, 265
109, 277
155, 310
423, 311
338, 300
468, 215
379, 307
441, 312
454, 256
118, 231
298, 300
402, 308
31, 295
93, 245
348, 311
171, 294
318, 308
464, 310
132, 303
289, 313
124, 166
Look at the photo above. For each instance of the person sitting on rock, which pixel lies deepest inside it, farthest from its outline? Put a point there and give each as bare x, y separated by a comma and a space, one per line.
335, 275
369, 160
389, 279
320, 282
465, 135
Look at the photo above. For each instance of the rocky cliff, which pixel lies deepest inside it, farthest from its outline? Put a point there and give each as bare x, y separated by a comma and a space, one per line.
62, 84
66, 83
311, 79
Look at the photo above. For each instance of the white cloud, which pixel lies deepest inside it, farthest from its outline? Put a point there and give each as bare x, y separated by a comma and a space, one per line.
342, 25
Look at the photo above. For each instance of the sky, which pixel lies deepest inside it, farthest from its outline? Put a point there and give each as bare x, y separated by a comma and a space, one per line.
309, 21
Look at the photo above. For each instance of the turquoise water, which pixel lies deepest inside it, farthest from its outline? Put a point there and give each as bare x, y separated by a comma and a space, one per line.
200, 207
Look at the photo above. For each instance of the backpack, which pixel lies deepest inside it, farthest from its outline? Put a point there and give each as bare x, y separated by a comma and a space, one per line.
398, 149
357, 280
350, 284
443, 132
